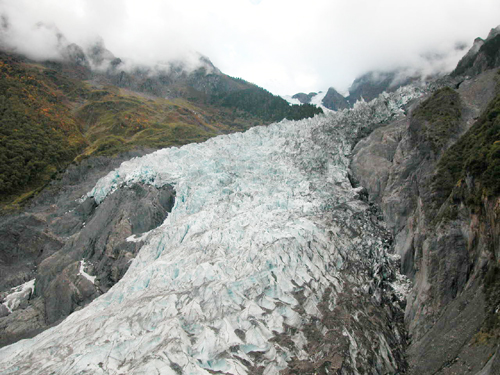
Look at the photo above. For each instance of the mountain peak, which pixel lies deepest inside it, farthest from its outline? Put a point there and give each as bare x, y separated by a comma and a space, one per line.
483, 55
334, 100
99, 55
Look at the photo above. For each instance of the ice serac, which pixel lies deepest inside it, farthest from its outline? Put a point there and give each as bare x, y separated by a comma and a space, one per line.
268, 262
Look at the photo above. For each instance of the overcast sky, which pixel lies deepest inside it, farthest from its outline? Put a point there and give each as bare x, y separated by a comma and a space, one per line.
285, 46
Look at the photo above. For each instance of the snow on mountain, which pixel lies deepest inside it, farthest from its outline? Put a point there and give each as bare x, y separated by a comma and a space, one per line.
316, 99
85, 274
291, 100
19, 294
267, 248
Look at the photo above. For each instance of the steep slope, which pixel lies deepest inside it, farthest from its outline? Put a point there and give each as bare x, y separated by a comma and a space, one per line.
50, 118
483, 55
335, 101
39, 133
435, 176
66, 236
371, 85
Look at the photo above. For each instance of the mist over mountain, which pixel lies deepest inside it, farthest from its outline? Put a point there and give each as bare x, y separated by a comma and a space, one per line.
335, 43
369, 85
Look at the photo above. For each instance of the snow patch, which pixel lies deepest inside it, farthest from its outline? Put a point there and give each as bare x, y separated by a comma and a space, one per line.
19, 294
291, 100
138, 238
402, 286
85, 274
316, 100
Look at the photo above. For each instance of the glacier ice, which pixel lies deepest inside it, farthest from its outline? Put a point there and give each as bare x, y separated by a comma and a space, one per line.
266, 239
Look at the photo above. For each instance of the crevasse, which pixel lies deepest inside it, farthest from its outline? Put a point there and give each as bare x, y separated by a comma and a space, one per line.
265, 235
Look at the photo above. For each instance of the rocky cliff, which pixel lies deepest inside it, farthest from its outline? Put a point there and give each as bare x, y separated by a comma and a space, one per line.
335, 101
75, 250
435, 175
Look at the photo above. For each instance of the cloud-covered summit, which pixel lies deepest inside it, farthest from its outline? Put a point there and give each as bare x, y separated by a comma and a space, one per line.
286, 46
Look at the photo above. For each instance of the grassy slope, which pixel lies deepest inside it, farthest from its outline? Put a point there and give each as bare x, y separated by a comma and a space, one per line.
38, 133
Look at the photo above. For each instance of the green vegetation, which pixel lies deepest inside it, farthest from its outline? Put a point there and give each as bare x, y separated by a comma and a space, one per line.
476, 154
38, 135
488, 51
119, 122
264, 105
440, 115
48, 119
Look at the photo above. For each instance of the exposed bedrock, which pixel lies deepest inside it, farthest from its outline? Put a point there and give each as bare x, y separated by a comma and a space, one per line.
102, 242
76, 250
448, 247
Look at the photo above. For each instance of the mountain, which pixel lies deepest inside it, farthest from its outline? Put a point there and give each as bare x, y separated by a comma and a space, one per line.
248, 270
360, 241
84, 112
483, 55
335, 101
435, 176
304, 98
88, 102
372, 84
366, 87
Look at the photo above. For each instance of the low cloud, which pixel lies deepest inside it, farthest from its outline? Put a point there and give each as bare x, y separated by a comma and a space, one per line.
286, 46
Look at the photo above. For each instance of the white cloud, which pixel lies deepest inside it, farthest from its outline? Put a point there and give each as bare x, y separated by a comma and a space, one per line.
286, 46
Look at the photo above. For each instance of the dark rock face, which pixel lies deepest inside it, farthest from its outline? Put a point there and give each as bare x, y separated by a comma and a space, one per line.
369, 86
483, 55
334, 101
102, 242
24, 245
58, 236
446, 245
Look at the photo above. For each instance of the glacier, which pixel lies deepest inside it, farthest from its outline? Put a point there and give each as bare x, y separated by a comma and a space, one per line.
268, 260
